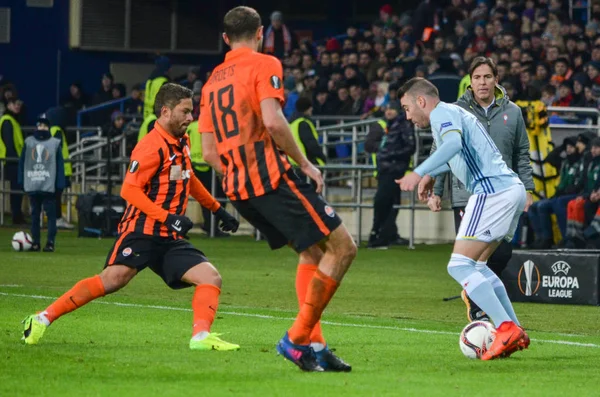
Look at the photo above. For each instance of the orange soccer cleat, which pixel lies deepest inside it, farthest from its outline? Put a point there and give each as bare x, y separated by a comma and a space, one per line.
509, 338
521, 345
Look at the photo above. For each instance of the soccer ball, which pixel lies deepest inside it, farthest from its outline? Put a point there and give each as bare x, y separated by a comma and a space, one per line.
476, 338
22, 241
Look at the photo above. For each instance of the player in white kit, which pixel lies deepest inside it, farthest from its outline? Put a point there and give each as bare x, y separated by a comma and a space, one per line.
492, 213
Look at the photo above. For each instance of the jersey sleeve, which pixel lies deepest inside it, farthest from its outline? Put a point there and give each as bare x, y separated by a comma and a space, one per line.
145, 161
269, 79
445, 120
205, 123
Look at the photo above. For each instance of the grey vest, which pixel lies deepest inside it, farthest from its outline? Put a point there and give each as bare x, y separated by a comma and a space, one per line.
40, 165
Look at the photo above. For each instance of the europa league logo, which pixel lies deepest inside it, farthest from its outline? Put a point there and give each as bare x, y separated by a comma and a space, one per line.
532, 278
39, 149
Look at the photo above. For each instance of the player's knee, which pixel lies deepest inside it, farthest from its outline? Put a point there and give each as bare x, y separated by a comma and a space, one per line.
214, 278
116, 277
311, 255
347, 249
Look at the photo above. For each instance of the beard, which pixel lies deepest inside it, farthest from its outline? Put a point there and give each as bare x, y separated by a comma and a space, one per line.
177, 129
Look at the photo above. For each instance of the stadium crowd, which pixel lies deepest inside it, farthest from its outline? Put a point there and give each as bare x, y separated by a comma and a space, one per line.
542, 52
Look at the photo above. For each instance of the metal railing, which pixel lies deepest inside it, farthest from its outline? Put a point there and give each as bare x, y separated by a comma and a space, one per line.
104, 105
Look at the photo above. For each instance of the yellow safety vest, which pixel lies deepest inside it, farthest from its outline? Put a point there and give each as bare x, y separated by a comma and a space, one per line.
295, 127
383, 125
65, 148
196, 148
17, 135
152, 87
144, 127
463, 85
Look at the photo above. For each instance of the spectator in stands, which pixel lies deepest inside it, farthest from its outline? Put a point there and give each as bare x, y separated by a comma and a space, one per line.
118, 91
344, 103
323, 106
592, 94
105, 92
580, 80
580, 211
194, 74
75, 101
278, 40
593, 71
570, 185
394, 154
565, 94
135, 105
11, 146
548, 95
358, 102
158, 77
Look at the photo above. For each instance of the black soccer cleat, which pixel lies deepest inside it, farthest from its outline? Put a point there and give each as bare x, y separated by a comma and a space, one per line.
330, 362
474, 312
301, 355
49, 248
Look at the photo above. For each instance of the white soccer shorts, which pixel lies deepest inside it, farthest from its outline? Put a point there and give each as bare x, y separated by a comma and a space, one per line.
493, 217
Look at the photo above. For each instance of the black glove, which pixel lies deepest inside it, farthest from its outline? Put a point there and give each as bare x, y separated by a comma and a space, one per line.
227, 222
179, 224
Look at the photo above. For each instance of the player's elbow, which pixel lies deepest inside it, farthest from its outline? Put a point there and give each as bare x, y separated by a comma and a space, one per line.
211, 157
272, 124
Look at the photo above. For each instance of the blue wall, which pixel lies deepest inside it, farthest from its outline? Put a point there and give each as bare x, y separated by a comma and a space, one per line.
40, 40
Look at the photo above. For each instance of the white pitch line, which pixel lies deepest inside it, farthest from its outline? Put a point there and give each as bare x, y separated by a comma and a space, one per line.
266, 316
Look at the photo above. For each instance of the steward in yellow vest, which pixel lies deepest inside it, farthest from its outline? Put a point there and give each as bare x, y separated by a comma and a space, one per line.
204, 173
11, 142
147, 126
57, 132
305, 134
11, 146
157, 78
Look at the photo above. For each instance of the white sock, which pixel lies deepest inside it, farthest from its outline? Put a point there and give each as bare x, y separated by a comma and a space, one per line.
317, 347
479, 289
43, 319
200, 335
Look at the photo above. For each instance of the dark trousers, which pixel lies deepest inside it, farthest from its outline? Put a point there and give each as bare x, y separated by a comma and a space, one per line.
16, 199
206, 179
58, 206
384, 217
499, 259
539, 215
48, 202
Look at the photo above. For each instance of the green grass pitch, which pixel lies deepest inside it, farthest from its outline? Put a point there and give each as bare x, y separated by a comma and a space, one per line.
388, 320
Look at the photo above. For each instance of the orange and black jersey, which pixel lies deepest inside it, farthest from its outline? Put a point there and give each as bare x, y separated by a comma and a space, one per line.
159, 181
230, 109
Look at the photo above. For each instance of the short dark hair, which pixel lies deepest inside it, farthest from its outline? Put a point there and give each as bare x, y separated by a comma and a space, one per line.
418, 85
241, 23
169, 95
478, 61
303, 104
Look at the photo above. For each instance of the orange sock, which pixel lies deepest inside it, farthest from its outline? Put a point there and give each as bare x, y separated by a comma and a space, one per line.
304, 275
83, 292
205, 303
319, 293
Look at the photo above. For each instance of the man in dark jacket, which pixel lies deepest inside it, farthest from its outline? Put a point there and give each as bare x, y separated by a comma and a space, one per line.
503, 121
393, 158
